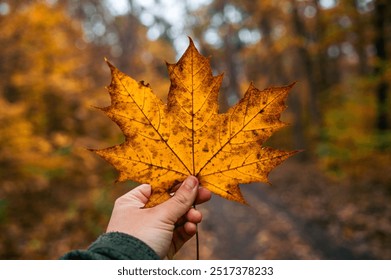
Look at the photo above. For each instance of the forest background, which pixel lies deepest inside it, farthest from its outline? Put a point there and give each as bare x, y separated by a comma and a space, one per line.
330, 202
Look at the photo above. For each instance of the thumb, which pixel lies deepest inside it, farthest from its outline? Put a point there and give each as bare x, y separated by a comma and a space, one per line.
183, 199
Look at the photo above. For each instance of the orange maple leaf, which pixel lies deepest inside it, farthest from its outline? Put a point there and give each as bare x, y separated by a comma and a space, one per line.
165, 143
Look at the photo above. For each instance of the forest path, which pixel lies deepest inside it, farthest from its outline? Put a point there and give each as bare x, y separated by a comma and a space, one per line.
303, 215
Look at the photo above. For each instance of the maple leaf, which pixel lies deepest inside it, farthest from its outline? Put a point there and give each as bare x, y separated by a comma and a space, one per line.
165, 143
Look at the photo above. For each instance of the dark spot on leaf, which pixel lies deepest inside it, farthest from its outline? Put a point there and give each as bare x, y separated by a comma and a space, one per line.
144, 84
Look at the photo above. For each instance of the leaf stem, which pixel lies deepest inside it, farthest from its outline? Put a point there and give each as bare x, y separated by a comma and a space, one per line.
197, 239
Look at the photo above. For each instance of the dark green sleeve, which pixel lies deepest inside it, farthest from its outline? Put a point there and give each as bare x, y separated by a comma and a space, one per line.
114, 246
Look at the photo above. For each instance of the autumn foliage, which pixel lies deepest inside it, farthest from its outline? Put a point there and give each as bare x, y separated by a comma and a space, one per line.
329, 202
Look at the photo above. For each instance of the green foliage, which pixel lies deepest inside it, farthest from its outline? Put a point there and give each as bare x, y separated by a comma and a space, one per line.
348, 137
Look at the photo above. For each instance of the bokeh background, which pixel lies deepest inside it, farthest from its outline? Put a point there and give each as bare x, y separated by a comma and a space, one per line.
332, 201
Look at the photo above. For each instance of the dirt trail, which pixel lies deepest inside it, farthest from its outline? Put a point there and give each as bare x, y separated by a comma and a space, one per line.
303, 215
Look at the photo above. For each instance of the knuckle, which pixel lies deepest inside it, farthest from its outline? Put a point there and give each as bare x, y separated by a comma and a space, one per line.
119, 200
181, 199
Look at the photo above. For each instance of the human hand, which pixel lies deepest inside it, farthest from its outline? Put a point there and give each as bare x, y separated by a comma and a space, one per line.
165, 227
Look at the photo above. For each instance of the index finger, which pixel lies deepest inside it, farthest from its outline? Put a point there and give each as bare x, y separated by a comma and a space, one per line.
203, 195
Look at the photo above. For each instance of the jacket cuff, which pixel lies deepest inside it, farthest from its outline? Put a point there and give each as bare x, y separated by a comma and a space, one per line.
121, 246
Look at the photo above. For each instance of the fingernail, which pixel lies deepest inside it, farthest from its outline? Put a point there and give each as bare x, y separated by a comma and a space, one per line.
191, 182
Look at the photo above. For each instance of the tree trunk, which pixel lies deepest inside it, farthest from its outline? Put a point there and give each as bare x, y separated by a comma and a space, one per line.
307, 66
230, 56
381, 8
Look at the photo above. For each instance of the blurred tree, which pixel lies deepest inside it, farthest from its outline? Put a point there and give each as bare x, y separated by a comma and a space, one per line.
123, 40
42, 96
304, 59
39, 83
381, 24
